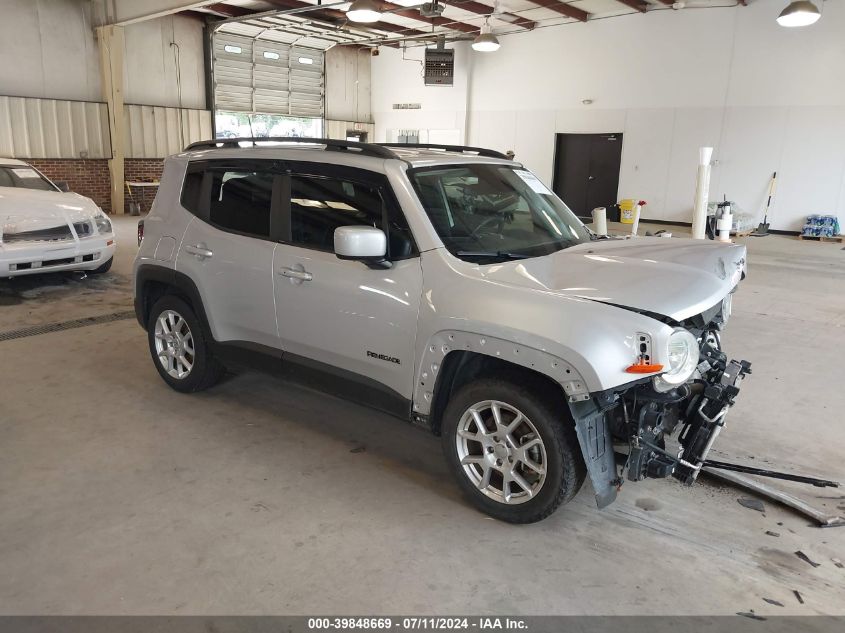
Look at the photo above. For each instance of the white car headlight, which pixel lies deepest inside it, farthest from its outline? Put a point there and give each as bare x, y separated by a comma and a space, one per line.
682, 359
103, 223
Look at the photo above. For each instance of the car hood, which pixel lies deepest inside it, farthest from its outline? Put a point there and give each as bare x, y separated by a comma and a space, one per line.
31, 209
677, 278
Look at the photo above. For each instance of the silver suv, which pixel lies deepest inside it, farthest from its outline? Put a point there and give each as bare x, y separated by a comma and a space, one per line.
449, 287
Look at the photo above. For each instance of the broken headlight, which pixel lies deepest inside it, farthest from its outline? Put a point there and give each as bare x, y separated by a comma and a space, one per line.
103, 223
682, 359
727, 306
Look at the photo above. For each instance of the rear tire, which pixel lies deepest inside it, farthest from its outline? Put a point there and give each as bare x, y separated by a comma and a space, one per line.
179, 347
528, 446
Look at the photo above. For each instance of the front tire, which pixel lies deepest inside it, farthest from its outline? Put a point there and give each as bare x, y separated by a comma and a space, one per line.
103, 268
179, 348
512, 449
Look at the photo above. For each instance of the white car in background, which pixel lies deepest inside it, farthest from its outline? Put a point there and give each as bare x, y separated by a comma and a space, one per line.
46, 229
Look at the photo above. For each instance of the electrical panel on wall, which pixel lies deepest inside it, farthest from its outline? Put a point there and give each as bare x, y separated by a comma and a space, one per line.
439, 66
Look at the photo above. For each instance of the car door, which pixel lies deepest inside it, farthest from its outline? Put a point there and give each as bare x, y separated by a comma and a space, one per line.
346, 315
227, 250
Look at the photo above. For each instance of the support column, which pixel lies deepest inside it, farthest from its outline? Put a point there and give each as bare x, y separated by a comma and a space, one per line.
110, 43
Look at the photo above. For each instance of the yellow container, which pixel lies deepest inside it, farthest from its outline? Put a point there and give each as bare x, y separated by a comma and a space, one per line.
626, 211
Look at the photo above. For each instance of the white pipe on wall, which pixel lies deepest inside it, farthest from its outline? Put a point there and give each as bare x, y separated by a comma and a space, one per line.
702, 191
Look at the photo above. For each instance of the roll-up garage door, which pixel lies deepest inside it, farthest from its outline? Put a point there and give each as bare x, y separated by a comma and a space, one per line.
267, 77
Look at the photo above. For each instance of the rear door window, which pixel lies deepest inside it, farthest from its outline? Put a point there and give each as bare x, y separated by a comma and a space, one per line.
235, 197
241, 200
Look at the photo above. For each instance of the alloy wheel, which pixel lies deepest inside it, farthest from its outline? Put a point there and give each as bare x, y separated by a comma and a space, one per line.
174, 344
501, 452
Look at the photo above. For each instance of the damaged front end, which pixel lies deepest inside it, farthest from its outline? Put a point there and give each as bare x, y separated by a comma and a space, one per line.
668, 429
645, 418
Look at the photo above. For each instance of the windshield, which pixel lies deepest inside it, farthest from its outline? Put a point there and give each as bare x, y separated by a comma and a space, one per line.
25, 177
490, 212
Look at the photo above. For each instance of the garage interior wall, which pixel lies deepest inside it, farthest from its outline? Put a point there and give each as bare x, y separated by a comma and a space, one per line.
58, 81
348, 90
397, 79
767, 98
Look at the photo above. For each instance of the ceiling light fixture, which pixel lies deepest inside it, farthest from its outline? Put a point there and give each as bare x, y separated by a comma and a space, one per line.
799, 13
364, 11
486, 42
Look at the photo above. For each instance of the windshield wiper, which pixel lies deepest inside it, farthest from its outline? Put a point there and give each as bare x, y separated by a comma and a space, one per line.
492, 254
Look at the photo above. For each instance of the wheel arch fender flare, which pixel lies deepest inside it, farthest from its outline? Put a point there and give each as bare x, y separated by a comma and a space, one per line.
180, 282
444, 342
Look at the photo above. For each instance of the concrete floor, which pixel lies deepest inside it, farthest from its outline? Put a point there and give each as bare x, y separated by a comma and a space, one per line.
120, 496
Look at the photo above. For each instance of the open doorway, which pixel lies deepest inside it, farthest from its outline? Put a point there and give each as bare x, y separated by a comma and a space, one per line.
586, 173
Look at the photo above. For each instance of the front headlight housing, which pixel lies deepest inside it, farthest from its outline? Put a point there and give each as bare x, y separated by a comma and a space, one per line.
103, 223
727, 307
681, 360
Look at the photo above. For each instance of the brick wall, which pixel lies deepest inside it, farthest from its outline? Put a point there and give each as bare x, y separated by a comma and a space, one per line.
90, 178
142, 170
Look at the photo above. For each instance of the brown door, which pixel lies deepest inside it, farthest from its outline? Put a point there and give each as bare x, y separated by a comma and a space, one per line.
587, 171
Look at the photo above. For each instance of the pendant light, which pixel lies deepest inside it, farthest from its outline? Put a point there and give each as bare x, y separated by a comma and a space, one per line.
366, 11
486, 42
799, 13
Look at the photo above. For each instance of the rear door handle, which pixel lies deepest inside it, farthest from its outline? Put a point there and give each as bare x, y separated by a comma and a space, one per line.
199, 250
292, 273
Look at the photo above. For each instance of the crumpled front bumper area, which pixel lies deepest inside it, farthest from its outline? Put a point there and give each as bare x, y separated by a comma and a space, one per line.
639, 432
699, 408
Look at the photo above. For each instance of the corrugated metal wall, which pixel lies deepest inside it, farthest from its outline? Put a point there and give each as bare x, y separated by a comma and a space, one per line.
156, 132
50, 128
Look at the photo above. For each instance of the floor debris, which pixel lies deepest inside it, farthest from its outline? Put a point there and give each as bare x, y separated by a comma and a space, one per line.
770, 533
821, 518
837, 562
753, 504
798, 596
806, 559
750, 614
774, 602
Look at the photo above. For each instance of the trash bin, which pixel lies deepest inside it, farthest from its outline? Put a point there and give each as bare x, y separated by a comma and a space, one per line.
626, 211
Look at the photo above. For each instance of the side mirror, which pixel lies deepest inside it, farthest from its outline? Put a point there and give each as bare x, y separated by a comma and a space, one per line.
62, 185
363, 243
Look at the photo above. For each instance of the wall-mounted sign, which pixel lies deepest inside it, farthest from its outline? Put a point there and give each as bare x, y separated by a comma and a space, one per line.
407, 106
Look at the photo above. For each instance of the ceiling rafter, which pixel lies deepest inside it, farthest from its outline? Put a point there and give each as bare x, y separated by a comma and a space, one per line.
335, 15
485, 9
414, 14
639, 5
564, 9
228, 10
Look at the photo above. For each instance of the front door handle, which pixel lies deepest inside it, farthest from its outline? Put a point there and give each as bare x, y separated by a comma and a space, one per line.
199, 250
292, 273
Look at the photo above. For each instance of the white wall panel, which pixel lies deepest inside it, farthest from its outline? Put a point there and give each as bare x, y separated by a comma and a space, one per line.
646, 148
156, 132
47, 128
766, 98
47, 50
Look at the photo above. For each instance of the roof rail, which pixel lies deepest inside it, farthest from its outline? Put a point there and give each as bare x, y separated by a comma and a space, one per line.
331, 145
489, 153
